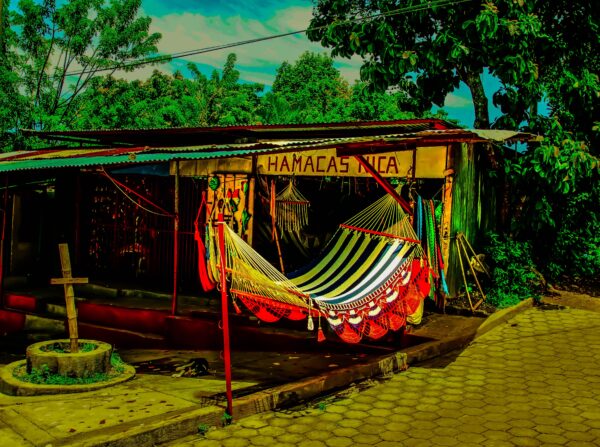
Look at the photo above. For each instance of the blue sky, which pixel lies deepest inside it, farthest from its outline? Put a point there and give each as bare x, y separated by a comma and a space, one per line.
192, 24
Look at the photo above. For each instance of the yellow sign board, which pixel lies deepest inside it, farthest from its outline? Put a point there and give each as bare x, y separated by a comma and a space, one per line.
430, 161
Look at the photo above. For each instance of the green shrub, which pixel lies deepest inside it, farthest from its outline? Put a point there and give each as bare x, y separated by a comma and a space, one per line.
514, 277
555, 191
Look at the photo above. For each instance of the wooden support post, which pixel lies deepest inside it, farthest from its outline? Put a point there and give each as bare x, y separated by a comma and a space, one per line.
446, 218
67, 281
225, 314
274, 224
1, 17
250, 208
384, 183
3, 234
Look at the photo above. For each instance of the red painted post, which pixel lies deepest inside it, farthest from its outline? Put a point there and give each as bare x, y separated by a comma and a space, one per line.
175, 240
175, 264
384, 183
225, 315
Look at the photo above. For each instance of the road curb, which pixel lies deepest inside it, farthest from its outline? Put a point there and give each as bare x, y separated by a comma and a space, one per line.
174, 425
502, 316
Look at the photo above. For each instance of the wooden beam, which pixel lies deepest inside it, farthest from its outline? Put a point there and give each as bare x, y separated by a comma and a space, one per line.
65, 281
384, 183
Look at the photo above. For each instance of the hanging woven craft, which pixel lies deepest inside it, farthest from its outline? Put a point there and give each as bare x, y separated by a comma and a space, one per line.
292, 209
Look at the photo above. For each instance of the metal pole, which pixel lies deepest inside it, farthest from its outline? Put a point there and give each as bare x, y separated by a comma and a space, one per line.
175, 240
225, 315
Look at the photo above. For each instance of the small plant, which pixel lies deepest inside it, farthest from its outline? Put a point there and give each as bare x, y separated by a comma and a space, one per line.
116, 362
322, 406
226, 418
87, 347
203, 429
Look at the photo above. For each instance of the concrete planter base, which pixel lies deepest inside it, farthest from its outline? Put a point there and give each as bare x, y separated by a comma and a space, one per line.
11, 385
53, 357
78, 364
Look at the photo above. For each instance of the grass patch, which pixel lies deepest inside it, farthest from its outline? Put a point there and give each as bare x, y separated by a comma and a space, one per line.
43, 375
62, 347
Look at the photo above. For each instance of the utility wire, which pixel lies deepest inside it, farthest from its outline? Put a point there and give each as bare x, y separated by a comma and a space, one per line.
169, 57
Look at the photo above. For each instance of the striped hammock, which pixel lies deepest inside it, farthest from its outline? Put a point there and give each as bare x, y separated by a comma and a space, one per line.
370, 278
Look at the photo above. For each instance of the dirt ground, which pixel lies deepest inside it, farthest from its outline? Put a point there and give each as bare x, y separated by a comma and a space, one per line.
572, 299
589, 287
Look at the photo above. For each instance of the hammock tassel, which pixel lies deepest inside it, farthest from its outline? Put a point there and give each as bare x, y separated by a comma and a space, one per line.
311, 323
320, 335
237, 308
444, 284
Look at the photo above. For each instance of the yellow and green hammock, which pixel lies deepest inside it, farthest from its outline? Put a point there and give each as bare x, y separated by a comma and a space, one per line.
370, 279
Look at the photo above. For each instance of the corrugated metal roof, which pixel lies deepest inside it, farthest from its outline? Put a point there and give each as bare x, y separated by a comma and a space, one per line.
77, 161
181, 136
80, 158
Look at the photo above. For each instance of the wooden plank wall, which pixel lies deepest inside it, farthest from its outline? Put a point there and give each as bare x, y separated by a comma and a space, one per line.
474, 204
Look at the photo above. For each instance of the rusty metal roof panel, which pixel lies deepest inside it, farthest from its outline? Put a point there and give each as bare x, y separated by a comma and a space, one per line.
179, 136
80, 158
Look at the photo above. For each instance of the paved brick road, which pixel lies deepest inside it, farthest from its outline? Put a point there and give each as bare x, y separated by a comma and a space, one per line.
534, 381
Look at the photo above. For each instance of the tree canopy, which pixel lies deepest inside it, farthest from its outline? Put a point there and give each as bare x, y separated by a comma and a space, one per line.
312, 90
55, 49
309, 90
537, 50
165, 100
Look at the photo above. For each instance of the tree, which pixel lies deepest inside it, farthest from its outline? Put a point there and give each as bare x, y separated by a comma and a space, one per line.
310, 90
59, 49
227, 101
528, 46
161, 100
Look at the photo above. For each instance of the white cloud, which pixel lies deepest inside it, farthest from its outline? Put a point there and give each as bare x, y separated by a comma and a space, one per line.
350, 68
256, 62
456, 101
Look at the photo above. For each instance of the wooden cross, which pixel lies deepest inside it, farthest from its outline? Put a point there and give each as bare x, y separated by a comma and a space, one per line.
67, 281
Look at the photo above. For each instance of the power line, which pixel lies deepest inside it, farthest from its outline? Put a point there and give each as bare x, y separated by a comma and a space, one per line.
169, 57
